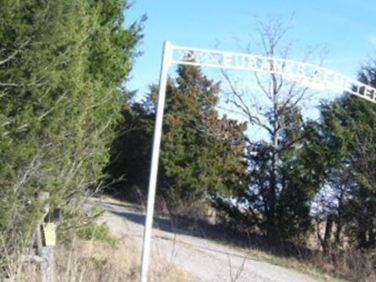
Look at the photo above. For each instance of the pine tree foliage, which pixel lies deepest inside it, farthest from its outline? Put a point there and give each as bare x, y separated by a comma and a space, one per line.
283, 212
62, 64
197, 160
201, 153
349, 136
129, 165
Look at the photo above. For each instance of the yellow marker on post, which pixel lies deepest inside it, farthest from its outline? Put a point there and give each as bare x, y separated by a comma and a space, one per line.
49, 230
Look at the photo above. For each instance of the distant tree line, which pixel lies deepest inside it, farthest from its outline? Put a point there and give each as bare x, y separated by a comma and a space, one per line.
325, 164
306, 179
318, 182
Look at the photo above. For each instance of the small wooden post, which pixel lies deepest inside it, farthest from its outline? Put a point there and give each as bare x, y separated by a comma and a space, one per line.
46, 242
48, 264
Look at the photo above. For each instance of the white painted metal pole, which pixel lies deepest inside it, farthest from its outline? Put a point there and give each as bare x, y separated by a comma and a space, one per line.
166, 60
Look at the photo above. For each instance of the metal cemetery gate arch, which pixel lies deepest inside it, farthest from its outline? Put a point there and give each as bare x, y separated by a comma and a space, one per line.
310, 75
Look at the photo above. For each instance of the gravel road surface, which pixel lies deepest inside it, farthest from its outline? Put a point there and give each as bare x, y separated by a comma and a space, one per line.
208, 260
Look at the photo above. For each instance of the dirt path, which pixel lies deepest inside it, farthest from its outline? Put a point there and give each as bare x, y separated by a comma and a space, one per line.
206, 259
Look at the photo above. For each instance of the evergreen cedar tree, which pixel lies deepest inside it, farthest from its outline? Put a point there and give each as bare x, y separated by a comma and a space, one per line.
349, 146
62, 65
201, 153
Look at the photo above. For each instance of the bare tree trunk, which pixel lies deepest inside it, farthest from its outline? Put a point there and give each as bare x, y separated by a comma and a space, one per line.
338, 232
274, 230
272, 225
266, 109
361, 236
327, 234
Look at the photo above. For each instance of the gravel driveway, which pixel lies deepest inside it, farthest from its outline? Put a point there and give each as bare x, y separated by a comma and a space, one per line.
208, 260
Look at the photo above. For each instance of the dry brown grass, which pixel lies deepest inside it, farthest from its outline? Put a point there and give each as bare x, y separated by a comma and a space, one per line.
94, 261
355, 265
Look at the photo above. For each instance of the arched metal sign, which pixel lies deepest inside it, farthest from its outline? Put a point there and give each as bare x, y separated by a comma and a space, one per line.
312, 76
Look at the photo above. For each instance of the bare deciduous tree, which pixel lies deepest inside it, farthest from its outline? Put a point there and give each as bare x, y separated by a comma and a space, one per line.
271, 103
